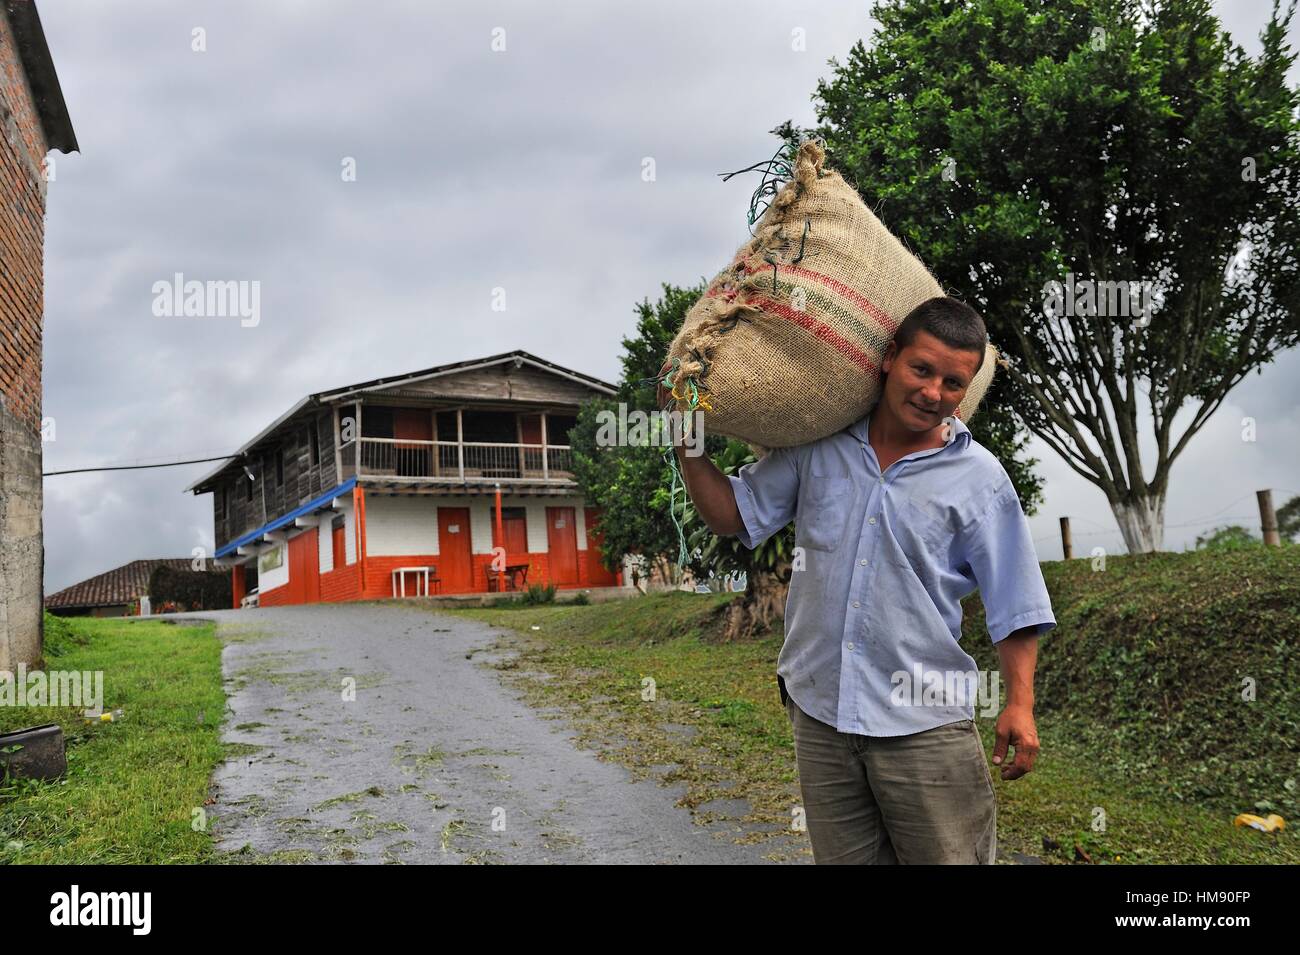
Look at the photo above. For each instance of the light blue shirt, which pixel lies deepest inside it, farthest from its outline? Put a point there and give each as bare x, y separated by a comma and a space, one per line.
873, 618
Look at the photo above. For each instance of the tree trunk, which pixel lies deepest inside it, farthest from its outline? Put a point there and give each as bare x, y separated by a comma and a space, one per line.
1142, 522
765, 594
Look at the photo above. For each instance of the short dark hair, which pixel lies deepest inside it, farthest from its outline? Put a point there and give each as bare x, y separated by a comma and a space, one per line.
954, 323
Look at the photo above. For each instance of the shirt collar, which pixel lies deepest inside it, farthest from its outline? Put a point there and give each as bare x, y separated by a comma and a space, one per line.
961, 433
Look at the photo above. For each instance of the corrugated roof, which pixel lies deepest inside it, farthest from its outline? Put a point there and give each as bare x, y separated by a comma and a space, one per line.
122, 585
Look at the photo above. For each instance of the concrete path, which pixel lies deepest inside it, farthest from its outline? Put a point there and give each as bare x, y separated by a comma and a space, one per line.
431, 760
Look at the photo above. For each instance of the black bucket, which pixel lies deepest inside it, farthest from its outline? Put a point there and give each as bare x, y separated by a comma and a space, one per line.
35, 753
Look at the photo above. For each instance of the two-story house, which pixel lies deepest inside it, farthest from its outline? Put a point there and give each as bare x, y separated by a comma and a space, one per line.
456, 479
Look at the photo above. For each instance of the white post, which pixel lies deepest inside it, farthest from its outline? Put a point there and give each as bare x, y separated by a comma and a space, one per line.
338, 451
356, 437
546, 470
460, 444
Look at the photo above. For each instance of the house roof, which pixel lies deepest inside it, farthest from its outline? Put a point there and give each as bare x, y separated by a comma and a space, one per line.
43, 81
518, 357
122, 585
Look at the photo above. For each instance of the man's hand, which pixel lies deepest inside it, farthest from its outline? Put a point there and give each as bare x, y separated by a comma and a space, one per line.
1016, 726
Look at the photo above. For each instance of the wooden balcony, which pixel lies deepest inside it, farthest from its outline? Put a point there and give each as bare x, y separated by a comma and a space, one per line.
457, 462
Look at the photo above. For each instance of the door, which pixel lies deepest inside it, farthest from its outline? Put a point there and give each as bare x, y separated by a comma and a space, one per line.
339, 543
413, 424
454, 567
530, 439
562, 545
514, 525
304, 567
600, 577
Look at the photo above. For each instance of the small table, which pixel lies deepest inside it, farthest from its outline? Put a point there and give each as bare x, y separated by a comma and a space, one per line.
399, 579
509, 574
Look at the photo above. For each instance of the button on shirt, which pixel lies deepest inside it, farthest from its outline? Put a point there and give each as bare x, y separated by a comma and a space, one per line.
873, 618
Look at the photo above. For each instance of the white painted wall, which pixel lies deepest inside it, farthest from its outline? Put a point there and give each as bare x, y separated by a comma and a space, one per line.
400, 526
408, 526
277, 577
325, 542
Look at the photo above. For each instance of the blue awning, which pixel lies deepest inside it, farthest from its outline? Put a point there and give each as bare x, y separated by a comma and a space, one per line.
313, 505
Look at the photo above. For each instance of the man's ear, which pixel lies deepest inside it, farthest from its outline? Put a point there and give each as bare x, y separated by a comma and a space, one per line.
887, 359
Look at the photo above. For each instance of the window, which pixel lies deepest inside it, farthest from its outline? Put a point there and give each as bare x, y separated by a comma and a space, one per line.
248, 488
377, 422
446, 425
558, 427
489, 426
314, 438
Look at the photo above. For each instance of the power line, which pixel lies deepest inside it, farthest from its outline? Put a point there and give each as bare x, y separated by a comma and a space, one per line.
138, 467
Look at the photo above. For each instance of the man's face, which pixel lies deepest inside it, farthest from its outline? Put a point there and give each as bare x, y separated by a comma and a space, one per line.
926, 381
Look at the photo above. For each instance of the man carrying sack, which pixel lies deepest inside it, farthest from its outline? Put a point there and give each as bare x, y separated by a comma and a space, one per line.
897, 517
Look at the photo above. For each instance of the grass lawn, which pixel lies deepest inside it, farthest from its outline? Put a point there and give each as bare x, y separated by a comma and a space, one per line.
600, 657
132, 786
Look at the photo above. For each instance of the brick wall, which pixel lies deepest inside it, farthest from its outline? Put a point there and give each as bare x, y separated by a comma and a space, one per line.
22, 239
340, 584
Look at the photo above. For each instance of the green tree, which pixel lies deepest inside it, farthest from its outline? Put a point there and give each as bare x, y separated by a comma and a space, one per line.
1288, 519
1229, 537
1019, 143
632, 483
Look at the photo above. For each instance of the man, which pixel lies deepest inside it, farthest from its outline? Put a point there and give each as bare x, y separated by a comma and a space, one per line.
897, 517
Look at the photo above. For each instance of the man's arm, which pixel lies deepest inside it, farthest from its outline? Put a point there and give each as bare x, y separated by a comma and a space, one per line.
755, 503
709, 489
1018, 653
710, 492
1017, 611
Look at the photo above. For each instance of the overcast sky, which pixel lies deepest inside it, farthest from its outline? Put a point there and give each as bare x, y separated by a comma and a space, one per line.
475, 170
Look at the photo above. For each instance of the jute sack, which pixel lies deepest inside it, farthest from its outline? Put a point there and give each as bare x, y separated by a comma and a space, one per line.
784, 346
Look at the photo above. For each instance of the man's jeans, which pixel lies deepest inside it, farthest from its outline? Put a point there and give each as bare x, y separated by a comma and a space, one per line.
925, 798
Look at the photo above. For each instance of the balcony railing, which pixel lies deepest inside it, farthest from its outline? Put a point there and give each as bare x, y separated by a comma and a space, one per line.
451, 461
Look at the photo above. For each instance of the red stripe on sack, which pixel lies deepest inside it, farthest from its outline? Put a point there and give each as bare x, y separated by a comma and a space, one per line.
841, 289
820, 329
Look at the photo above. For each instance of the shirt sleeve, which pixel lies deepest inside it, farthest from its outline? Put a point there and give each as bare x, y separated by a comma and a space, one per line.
767, 492
1001, 555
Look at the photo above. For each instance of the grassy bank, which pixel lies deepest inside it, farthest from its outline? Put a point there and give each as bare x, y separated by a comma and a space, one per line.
133, 785
1139, 710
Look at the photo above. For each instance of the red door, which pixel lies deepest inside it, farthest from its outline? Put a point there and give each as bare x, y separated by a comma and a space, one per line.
340, 547
515, 526
562, 545
454, 567
413, 424
304, 567
530, 434
600, 577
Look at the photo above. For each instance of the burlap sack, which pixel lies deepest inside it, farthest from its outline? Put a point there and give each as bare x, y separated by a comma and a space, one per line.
785, 344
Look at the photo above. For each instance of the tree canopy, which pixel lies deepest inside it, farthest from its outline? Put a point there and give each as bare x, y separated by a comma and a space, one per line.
1113, 184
